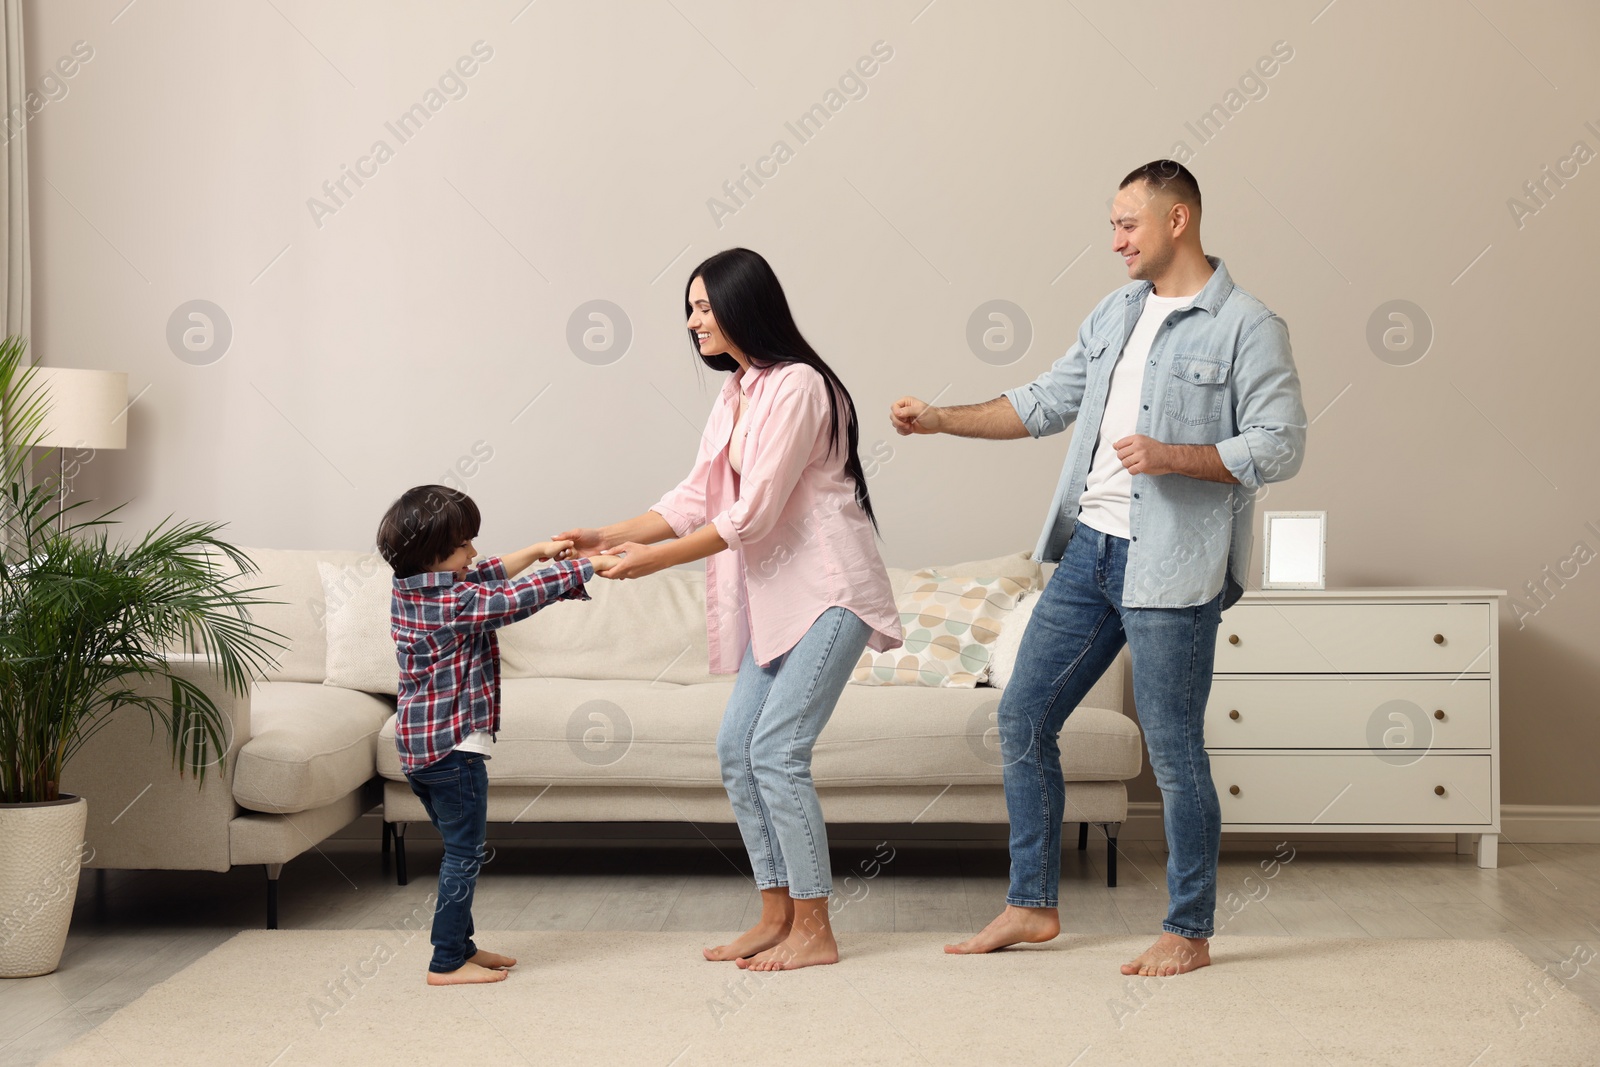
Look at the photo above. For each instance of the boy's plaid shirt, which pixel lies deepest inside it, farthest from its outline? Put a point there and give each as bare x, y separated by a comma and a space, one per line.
444, 635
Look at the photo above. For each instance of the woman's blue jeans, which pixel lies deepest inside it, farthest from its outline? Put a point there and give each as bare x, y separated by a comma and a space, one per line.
771, 723
1078, 627
455, 791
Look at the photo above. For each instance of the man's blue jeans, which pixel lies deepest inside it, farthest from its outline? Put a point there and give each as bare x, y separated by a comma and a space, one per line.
1078, 627
455, 792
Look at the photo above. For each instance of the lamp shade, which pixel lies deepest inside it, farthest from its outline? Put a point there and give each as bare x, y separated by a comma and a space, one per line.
84, 408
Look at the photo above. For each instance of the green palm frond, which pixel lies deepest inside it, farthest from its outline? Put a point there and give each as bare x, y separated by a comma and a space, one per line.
88, 626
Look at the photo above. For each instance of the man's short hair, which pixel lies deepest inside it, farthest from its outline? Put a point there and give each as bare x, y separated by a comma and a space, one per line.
424, 526
1168, 176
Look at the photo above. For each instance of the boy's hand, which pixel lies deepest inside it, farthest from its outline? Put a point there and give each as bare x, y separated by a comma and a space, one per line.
582, 542
603, 563
550, 549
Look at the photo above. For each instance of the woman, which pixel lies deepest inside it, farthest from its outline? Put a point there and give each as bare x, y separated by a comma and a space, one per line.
777, 506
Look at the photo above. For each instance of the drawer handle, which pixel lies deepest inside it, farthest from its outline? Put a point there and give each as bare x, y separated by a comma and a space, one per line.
1438, 790
1234, 790
1233, 639
1438, 639
1234, 714
1439, 714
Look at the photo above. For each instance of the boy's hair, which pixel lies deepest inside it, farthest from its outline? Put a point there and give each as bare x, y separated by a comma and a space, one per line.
425, 526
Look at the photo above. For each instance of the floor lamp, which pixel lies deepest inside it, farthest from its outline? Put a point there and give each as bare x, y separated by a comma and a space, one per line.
84, 409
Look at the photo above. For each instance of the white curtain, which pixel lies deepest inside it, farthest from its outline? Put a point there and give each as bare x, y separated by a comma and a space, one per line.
16, 288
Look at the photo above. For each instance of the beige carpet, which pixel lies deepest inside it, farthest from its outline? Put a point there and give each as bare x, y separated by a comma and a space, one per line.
350, 997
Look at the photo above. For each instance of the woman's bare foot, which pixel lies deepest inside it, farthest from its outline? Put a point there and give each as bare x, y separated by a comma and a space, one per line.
1013, 926
492, 960
760, 937
809, 943
1171, 954
466, 974
777, 919
796, 951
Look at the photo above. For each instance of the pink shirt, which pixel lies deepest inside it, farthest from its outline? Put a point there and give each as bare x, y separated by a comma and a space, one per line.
798, 543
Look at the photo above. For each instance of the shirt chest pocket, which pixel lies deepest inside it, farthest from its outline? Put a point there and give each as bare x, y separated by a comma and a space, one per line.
1197, 389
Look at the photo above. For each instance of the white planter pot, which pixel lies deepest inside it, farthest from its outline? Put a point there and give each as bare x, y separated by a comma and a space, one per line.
41, 852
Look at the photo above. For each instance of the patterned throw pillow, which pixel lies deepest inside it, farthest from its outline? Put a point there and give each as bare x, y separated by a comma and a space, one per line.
950, 628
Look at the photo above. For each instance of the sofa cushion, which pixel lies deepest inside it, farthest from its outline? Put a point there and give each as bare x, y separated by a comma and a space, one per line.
1019, 566
647, 629
950, 624
567, 731
310, 744
300, 609
360, 642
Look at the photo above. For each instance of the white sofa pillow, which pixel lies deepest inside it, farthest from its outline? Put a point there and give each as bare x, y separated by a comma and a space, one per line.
360, 646
1003, 656
288, 579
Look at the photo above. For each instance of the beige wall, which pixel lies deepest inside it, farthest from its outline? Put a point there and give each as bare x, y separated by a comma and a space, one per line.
419, 321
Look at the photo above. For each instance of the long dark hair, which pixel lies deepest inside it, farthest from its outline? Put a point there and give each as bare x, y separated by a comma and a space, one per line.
753, 313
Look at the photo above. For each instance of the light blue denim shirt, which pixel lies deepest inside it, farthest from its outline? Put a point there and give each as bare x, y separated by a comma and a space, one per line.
1220, 373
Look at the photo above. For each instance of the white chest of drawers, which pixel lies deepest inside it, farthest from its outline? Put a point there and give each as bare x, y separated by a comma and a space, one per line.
1359, 710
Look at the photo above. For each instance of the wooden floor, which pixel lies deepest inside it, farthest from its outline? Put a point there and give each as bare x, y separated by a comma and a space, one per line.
133, 929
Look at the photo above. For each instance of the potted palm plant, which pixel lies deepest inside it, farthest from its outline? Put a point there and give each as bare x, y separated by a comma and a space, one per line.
86, 625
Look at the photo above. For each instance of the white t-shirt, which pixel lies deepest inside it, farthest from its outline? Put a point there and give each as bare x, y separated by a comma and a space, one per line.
477, 741
1106, 492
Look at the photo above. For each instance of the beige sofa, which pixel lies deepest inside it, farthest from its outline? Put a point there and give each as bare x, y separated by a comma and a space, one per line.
608, 714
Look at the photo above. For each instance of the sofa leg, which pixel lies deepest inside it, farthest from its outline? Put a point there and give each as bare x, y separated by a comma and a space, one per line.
399, 853
1111, 829
1083, 837
273, 870
388, 834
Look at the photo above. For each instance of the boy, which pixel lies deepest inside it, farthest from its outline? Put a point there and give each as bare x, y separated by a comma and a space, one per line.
444, 613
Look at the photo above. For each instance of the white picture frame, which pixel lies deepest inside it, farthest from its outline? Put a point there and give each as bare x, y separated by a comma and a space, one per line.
1294, 550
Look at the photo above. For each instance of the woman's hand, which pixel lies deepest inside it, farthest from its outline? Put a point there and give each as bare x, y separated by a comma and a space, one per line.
637, 560
585, 542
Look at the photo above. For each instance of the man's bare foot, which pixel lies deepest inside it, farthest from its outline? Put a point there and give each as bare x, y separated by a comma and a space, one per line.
492, 960
466, 974
760, 937
1171, 954
1012, 927
796, 951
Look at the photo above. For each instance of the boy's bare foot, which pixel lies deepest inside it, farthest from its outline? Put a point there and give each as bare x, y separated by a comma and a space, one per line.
1011, 927
760, 937
466, 974
1171, 954
492, 960
796, 951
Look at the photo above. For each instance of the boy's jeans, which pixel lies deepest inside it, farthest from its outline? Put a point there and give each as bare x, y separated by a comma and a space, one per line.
1078, 627
455, 791
772, 721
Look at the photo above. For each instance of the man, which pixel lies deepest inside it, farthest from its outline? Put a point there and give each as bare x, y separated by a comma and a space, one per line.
1187, 402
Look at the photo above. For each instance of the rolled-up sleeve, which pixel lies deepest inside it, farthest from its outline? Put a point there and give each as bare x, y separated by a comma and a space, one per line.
789, 435
684, 507
1268, 411
1048, 404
